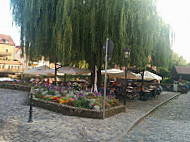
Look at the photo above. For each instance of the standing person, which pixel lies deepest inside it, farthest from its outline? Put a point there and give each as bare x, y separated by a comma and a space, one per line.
48, 80
180, 80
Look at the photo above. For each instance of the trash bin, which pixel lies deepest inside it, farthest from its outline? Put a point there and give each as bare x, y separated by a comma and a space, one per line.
175, 87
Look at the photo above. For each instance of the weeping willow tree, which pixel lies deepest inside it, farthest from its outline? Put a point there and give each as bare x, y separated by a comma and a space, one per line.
74, 31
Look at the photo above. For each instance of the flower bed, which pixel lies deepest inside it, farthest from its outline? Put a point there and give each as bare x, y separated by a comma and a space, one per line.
70, 101
75, 98
74, 111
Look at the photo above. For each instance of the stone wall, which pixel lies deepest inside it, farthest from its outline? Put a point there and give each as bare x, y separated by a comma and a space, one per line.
15, 86
74, 111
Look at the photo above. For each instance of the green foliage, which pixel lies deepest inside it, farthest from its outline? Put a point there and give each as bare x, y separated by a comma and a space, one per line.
177, 60
37, 95
167, 80
69, 31
164, 72
83, 103
76, 86
51, 92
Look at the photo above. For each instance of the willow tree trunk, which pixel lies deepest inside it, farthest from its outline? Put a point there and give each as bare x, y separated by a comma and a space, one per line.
99, 82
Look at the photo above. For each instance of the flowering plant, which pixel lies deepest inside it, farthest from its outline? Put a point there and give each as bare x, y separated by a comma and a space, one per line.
76, 98
77, 86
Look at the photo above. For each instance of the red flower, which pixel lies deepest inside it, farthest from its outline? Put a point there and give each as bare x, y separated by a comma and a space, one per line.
42, 96
71, 104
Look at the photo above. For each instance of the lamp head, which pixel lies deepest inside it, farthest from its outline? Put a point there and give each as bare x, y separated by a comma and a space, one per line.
127, 52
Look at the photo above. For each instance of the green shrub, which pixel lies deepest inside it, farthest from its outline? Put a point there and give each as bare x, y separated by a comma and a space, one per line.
167, 80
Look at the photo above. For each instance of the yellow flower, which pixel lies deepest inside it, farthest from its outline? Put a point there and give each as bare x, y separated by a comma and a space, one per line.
60, 101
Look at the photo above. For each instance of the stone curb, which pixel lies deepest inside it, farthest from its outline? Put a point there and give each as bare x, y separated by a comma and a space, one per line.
138, 120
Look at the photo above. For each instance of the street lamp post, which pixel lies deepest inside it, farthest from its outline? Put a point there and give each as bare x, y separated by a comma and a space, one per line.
31, 105
108, 49
127, 54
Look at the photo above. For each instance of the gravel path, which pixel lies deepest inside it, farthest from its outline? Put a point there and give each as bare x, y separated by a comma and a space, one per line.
169, 123
48, 126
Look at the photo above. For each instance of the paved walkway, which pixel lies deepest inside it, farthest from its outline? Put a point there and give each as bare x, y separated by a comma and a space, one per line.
169, 123
53, 127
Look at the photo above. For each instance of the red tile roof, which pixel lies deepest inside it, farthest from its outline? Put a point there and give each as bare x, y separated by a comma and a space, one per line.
182, 70
6, 39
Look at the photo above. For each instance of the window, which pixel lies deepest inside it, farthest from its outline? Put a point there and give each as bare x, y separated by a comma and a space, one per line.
5, 41
7, 51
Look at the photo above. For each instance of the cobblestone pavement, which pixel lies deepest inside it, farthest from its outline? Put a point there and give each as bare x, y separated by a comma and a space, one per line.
169, 123
49, 126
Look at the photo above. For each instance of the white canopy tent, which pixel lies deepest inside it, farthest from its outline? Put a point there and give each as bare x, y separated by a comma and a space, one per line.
151, 76
130, 75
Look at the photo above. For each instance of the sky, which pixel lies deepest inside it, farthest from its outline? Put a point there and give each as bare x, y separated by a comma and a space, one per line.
6, 26
174, 12
177, 14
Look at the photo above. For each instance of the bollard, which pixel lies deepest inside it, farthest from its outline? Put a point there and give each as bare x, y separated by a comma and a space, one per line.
31, 105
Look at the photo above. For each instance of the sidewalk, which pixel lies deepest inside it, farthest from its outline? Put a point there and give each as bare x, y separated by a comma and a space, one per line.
50, 126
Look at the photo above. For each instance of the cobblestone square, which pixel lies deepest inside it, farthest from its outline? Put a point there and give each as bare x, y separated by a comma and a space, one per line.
49, 126
168, 123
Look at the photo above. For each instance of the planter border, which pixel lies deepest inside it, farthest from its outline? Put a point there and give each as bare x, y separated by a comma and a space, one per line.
74, 111
15, 86
65, 109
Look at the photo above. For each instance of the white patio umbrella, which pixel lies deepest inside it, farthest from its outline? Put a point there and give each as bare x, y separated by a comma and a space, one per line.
73, 70
112, 71
42, 70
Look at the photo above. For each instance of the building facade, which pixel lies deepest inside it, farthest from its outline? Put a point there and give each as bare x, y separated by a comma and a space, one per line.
8, 63
180, 72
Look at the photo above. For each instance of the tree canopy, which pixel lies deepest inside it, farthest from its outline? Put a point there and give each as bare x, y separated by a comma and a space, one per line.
74, 31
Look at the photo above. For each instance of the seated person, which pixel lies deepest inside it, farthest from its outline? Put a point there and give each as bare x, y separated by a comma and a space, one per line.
101, 90
114, 84
14, 80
